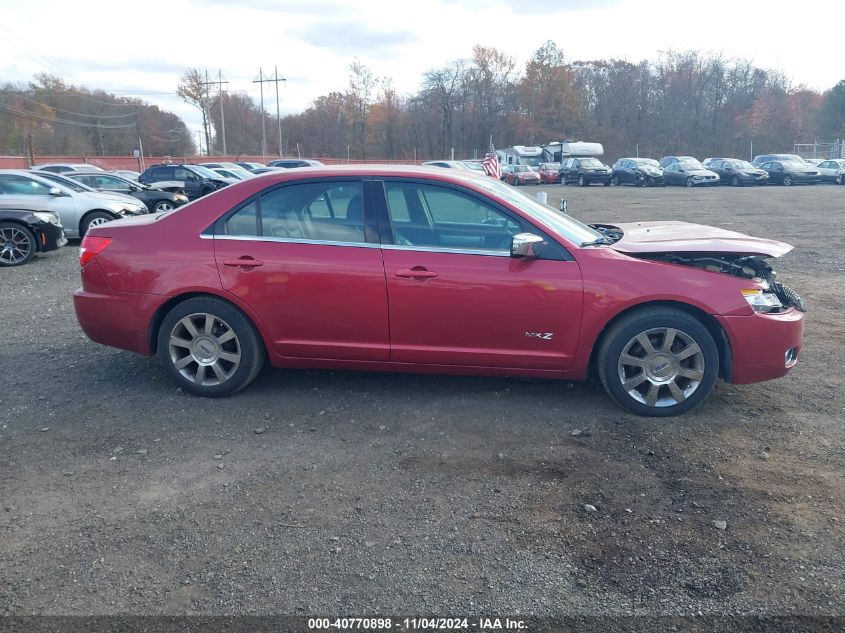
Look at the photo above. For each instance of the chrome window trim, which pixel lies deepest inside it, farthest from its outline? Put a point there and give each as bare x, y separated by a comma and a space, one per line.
443, 249
287, 240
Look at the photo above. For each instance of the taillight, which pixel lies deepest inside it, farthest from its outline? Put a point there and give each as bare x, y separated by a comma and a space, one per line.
91, 247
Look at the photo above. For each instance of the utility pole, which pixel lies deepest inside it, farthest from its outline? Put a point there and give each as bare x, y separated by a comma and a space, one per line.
219, 83
261, 81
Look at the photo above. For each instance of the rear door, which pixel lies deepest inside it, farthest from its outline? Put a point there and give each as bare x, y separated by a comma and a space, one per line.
303, 256
456, 297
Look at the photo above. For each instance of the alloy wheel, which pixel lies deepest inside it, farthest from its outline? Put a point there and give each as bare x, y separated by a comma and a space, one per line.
15, 246
204, 349
98, 221
164, 207
661, 367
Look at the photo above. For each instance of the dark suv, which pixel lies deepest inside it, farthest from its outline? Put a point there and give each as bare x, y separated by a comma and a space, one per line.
195, 180
584, 171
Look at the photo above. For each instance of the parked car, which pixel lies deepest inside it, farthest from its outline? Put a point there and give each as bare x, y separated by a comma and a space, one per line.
127, 173
250, 166
231, 174
61, 168
264, 170
292, 163
832, 171
237, 172
585, 171
814, 161
78, 207
517, 175
25, 231
157, 200
688, 172
737, 173
549, 173
641, 172
448, 164
194, 181
767, 158
791, 172
474, 165
426, 248
669, 160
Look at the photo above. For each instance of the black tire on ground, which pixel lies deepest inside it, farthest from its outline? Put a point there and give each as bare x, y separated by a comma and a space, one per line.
787, 181
641, 181
636, 324
163, 205
582, 182
95, 218
736, 182
615, 180
17, 244
607, 183
689, 182
246, 344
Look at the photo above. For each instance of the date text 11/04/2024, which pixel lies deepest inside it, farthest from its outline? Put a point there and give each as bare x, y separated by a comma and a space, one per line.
418, 624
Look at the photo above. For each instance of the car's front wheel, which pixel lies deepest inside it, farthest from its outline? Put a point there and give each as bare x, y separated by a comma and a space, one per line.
162, 206
17, 244
787, 181
658, 361
94, 219
615, 180
582, 182
209, 347
736, 182
689, 182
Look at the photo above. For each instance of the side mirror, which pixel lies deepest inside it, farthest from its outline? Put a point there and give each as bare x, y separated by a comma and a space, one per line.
526, 245
55, 191
562, 205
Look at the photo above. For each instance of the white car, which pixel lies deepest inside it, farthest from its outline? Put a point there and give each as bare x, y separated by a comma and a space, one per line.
77, 206
61, 168
832, 170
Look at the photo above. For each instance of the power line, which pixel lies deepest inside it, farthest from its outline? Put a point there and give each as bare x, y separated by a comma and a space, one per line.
47, 105
41, 117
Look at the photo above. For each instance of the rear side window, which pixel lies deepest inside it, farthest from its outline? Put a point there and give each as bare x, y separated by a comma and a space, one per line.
322, 211
21, 185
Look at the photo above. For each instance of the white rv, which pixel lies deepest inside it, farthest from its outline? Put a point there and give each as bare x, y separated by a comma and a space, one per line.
521, 155
559, 151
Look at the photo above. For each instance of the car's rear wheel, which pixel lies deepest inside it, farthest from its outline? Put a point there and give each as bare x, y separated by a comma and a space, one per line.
736, 182
787, 181
17, 244
658, 362
94, 219
582, 182
209, 347
162, 206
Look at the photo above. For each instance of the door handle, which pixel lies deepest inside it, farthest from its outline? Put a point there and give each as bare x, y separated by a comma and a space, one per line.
244, 261
418, 272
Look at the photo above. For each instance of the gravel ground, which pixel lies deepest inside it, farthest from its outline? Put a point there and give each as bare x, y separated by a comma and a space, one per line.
355, 493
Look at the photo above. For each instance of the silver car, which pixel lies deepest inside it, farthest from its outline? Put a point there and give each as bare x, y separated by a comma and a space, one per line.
833, 170
77, 206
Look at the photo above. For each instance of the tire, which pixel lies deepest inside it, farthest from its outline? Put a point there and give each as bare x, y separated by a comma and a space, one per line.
641, 181
94, 219
162, 206
787, 181
200, 363
563, 181
17, 244
615, 180
736, 182
840, 180
689, 182
644, 385
606, 183
582, 182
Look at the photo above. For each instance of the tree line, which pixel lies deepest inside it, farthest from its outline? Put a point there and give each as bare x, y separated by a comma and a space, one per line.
51, 117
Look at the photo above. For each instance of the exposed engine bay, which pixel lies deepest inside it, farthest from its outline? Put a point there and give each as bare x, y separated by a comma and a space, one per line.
753, 267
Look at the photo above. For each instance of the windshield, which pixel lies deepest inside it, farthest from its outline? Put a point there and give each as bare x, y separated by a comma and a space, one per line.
691, 163
66, 182
475, 166
647, 161
794, 164
534, 161
568, 227
521, 168
205, 172
591, 162
741, 164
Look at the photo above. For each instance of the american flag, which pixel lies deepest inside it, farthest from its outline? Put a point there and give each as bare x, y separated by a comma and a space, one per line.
491, 162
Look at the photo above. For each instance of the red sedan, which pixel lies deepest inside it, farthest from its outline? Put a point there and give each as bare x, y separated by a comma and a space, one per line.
434, 270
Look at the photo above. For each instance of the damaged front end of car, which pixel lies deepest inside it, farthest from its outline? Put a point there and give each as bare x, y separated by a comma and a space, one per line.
772, 297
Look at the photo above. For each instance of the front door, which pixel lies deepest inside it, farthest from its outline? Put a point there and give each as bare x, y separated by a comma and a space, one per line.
456, 297
300, 256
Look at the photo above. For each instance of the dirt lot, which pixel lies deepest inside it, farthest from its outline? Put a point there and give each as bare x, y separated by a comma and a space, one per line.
352, 493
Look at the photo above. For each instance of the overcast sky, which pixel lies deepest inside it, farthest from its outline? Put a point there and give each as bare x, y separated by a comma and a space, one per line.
141, 48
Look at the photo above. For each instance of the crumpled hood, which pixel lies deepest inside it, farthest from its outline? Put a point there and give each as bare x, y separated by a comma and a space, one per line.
114, 197
685, 237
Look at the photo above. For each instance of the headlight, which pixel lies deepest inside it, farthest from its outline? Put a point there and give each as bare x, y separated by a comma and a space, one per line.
46, 216
762, 301
180, 198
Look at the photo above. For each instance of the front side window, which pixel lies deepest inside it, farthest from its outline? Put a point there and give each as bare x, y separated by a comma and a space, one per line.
433, 216
322, 211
